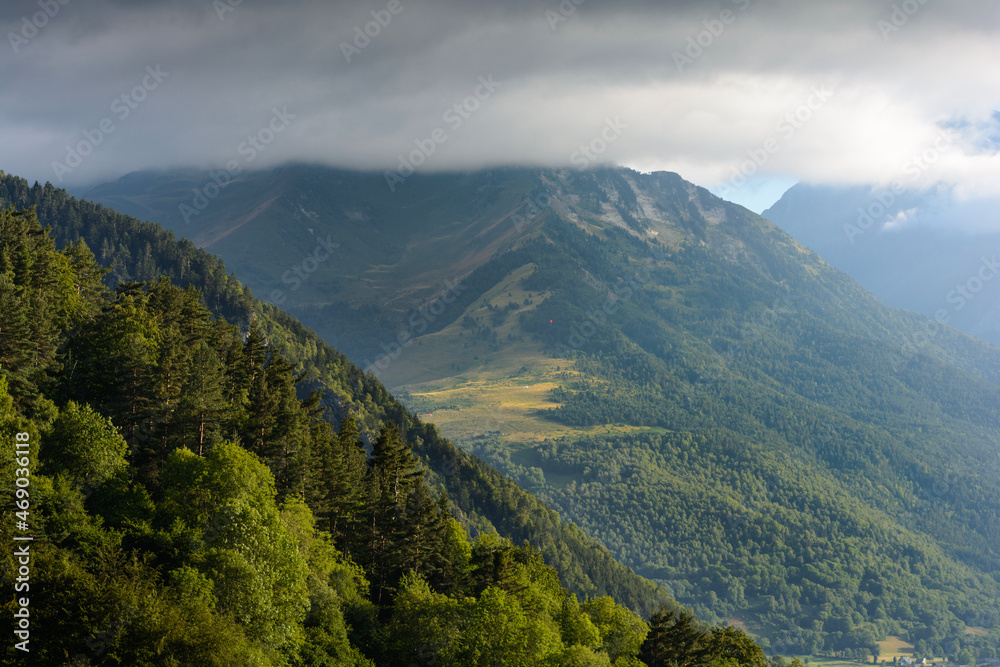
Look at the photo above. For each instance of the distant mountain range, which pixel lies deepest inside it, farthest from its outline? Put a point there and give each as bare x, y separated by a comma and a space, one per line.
913, 249
726, 412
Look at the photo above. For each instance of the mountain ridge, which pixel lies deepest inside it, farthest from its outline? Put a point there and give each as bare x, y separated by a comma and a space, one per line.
923, 250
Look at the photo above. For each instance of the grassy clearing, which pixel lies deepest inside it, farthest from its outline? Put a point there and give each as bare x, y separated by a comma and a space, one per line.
828, 662
469, 387
894, 647
891, 648
464, 407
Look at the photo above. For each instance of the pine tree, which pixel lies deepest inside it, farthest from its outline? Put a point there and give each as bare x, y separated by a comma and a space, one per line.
15, 354
343, 483
42, 293
394, 466
114, 361
428, 523
88, 274
675, 638
202, 404
393, 473
261, 403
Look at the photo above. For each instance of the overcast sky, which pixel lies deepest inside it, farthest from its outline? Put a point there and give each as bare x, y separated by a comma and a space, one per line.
828, 92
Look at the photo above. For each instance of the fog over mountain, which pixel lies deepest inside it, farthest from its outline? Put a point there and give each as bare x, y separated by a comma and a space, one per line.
837, 93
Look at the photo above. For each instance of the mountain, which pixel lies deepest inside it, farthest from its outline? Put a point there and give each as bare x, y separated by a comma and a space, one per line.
177, 503
907, 247
726, 412
482, 499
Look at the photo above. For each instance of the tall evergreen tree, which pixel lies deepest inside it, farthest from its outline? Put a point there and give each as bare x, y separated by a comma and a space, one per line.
393, 473
201, 409
43, 293
343, 483
675, 639
428, 527
394, 468
114, 359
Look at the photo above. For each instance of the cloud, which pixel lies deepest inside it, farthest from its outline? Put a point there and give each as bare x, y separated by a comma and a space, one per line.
362, 100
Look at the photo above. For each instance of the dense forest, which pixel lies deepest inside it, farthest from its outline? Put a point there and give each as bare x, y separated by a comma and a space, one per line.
758, 433
191, 504
188, 508
798, 468
776, 459
484, 499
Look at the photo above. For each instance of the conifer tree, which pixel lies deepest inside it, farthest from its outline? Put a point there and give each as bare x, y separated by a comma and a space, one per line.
393, 473
202, 404
676, 639
343, 477
427, 527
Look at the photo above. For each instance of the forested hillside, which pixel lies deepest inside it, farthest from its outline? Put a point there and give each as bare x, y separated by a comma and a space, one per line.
727, 413
181, 461
486, 500
187, 508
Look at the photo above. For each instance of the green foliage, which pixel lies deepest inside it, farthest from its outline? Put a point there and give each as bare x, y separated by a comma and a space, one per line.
732, 645
250, 555
621, 632
179, 493
774, 457
675, 638
576, 627
498, 632
85, 445
134, 250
